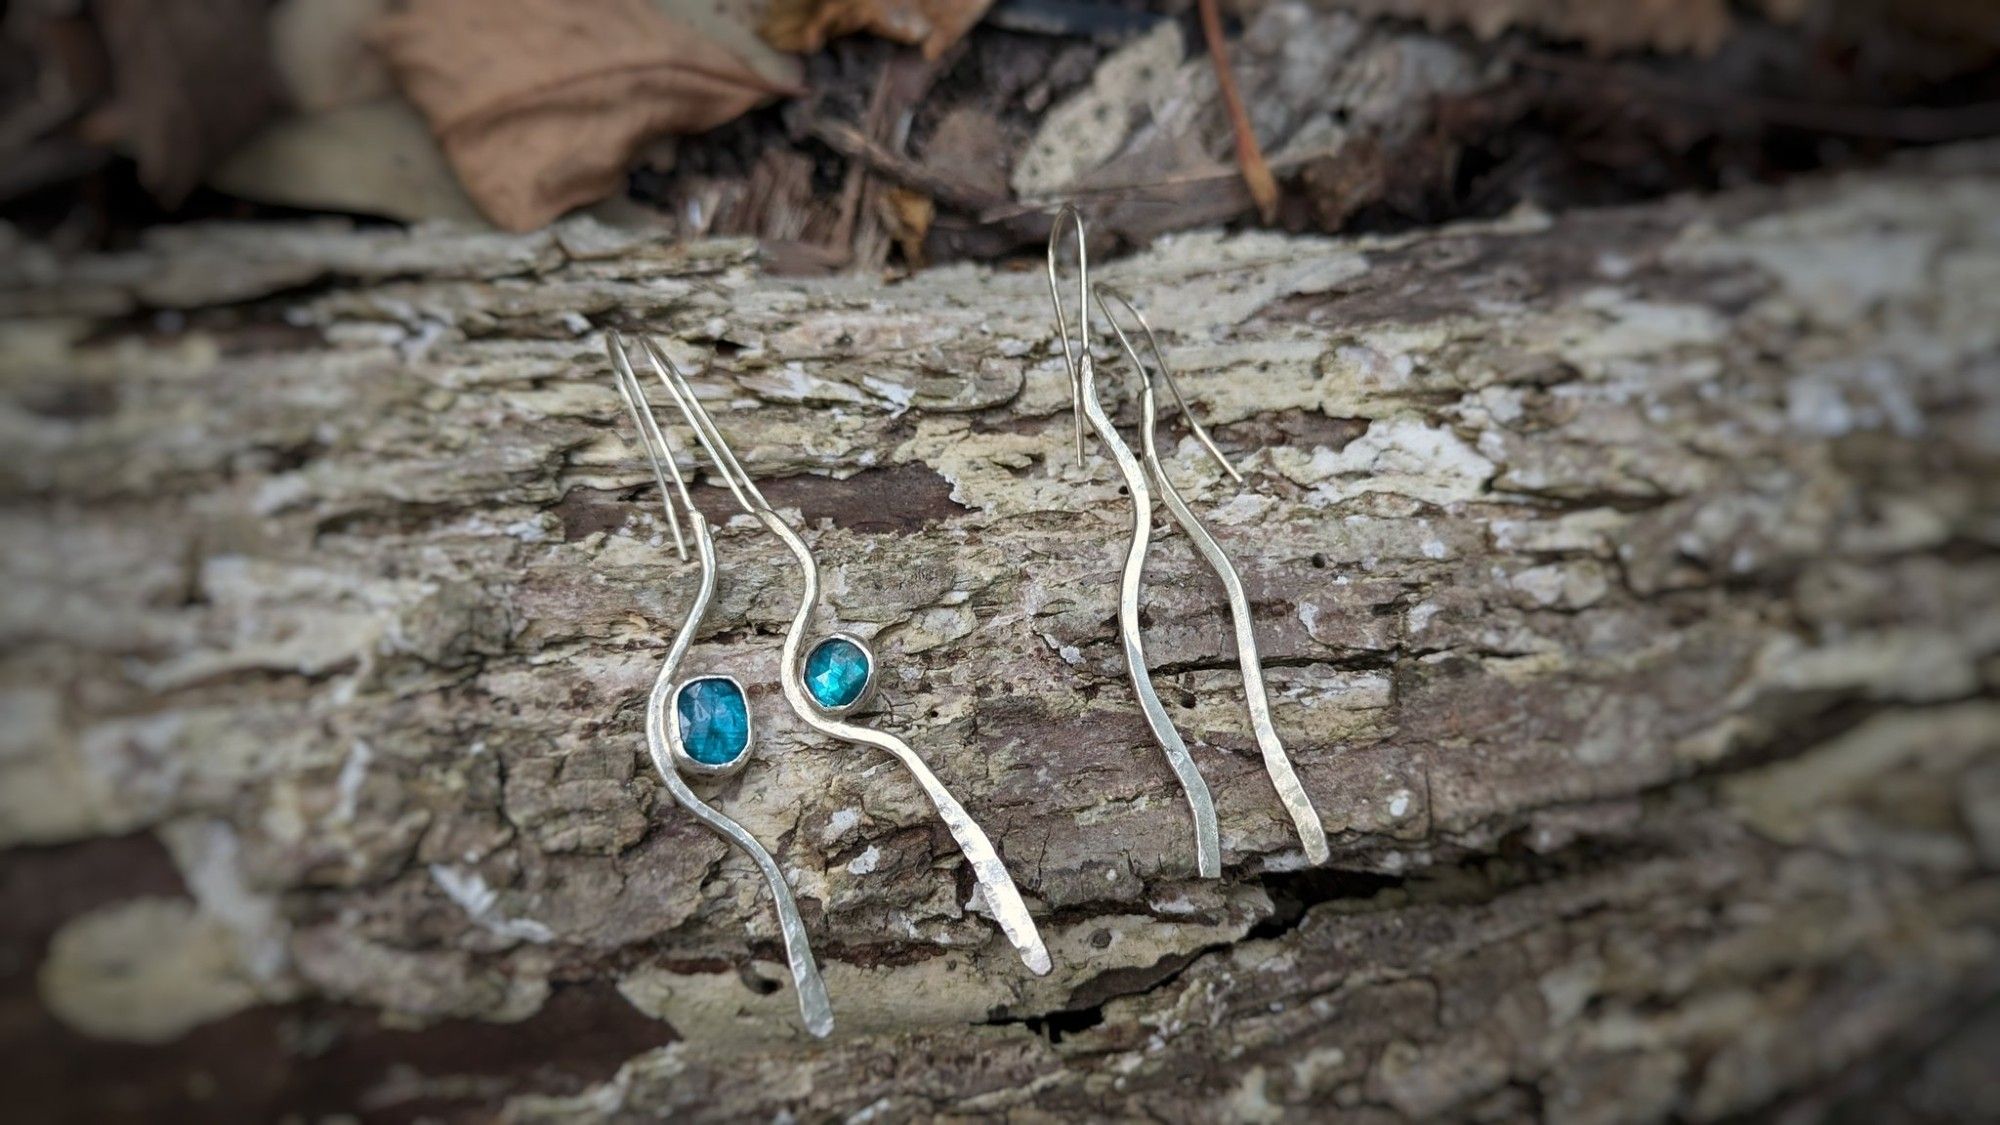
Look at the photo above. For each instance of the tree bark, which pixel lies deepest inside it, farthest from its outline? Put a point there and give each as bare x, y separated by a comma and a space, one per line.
1627, 584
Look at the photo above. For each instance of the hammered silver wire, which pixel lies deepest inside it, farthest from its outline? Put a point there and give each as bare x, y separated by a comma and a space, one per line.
1003, 898
1083, 397
815, 1009
1277, 764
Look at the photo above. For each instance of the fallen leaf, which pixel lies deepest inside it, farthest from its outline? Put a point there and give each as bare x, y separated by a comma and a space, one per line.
375, 158
733, 24
540, 106
191, 78
806, 25
322, 53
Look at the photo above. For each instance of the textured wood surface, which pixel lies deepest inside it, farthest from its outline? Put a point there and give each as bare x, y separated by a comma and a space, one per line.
1627, 582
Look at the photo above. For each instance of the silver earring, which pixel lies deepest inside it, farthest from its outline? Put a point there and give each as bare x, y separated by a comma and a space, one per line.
701, 726
822, 700
1085, 406
1277, 764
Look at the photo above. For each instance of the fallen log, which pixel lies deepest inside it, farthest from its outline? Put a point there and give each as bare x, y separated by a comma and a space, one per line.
1627, 584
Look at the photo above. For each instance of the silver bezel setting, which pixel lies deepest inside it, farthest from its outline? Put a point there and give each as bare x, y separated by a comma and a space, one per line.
688, 764
867, 685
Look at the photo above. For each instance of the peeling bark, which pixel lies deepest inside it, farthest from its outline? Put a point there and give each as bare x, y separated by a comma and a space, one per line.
1627, 581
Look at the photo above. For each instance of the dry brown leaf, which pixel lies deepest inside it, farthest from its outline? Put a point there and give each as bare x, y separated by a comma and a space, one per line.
733, 24
321, 52
805, 25
192, 79
374, 158
540, 105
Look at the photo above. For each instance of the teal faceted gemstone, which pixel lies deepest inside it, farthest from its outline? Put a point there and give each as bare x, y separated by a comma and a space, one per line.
836, 672
714, 720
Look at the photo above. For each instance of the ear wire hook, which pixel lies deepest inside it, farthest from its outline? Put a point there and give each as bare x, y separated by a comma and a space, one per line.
1002, 896
1167, 375
814, 1007
733, 475
657, 450
1076, 365
1083, 389
1277, 764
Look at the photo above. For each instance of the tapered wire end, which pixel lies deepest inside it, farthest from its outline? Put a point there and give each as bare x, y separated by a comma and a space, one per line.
1229, 468
1036, 957
1076, 405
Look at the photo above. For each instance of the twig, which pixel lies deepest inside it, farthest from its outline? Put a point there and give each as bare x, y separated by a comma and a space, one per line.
857, 174
1256, 173
857, 146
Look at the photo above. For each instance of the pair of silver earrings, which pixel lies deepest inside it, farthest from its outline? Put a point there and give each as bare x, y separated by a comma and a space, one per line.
701, 726
1085, 406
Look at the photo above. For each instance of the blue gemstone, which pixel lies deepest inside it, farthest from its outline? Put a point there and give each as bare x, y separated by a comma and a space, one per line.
715, 721
836, 672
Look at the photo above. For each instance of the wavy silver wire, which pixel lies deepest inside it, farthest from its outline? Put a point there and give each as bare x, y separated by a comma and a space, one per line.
1083, 392
814, 1007
1002, 896
1277, 764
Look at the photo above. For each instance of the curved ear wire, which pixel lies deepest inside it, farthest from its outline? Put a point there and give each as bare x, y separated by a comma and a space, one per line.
1075, 362
814, 1007
733, 473
1167, 374
657, 450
